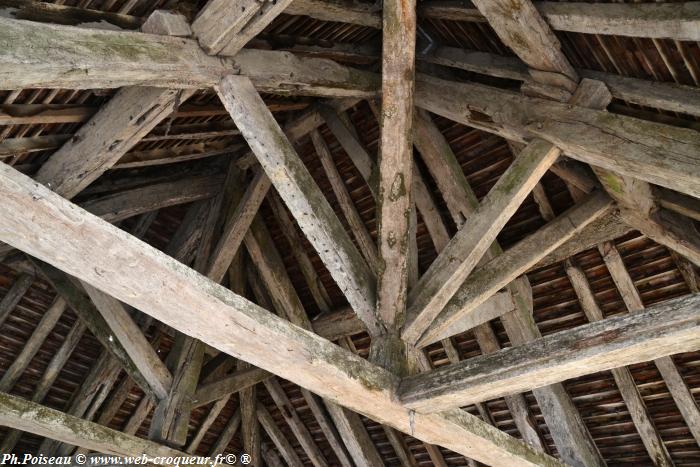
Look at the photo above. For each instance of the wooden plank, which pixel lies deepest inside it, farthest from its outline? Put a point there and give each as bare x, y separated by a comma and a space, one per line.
453, 265
100, 254
500, 271
649, 151
668, 328
521, 28
680, 392
623, 377
299, 191
31, 417
127, 332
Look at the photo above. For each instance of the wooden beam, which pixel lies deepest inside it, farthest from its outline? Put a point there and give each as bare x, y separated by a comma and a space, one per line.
31, 347
344, 323
295, 423
128, 356
521, 28
122, 205
623, 376
286, 73
395, 164
67, 15
127, 332
607, 227
665, 329
453, 265
31, 417
237, 225
148, 280
649, 151
667, 96
353, 12
227, 385
281, 443
359, 444
227, 434
670, 229
248, 399
563, 422
364, 240
636, 20
224, 27
503, 269
680, 392
85, 58
661, 21
162, 61
299, 191
682, 204
14, 295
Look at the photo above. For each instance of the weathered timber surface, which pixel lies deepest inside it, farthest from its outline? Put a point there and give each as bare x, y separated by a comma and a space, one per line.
301, 194
139, 275
657, 153
48, 55
500, 271
520, 27
437, 286
665, 329
31, 417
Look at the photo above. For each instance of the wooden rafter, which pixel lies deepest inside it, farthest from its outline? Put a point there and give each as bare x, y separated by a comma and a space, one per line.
658, 331
261, 339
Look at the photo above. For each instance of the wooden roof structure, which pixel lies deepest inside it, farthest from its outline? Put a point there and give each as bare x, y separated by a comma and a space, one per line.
344, 233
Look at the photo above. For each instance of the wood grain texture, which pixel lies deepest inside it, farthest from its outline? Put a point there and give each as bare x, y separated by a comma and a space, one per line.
664, 329
442, 280
652, 152
135, 273
301, 194
503, 269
